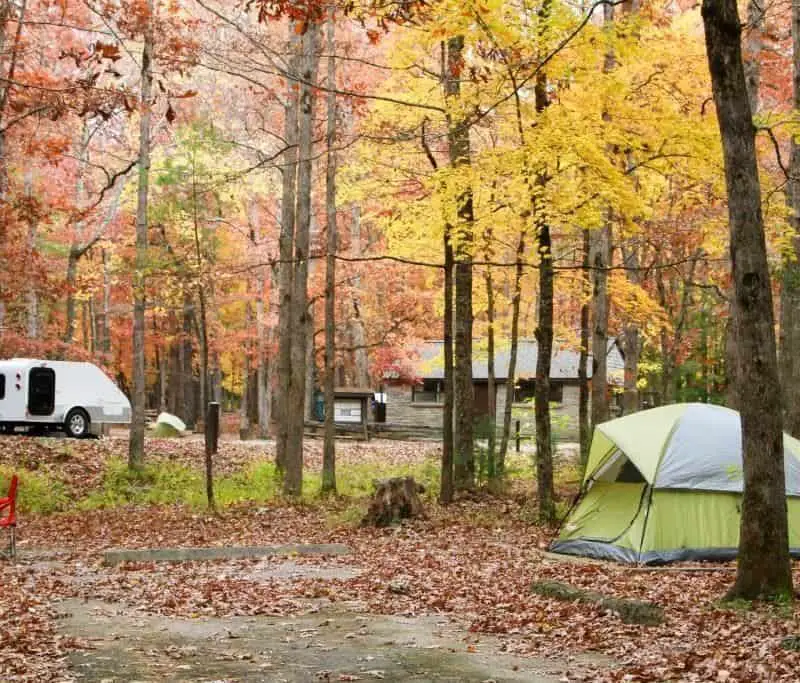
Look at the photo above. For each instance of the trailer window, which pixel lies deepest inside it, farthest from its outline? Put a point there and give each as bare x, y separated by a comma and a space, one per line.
41, 391
2, 386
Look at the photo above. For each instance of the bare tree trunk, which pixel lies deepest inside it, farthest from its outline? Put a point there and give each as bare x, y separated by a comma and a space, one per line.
790, 276
329, 446
764, 569
77, 249
106, 324
293, 477
459, 147
491, 378
286, 248
262, 373
631, 342
136, 445
447, 486
600, 262
544, 342
189, 407
511, 377
31, 295
584, 430
356, 324
244, 408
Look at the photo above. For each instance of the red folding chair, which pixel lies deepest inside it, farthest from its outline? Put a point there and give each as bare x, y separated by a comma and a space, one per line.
9, 520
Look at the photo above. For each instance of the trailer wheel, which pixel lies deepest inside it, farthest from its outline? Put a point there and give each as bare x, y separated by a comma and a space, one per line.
77, 423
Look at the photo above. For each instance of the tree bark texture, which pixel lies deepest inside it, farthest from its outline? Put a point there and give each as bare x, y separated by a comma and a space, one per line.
790, 275
459, 149
511, 377
136, 444
329, 446
447, 485
600, 258
544, 344
491, 379
296, 404
764, 568
31, 294
584, 428
544, 328
286, 248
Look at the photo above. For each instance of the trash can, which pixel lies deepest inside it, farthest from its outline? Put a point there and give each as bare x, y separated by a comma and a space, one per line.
319, 406
380, 412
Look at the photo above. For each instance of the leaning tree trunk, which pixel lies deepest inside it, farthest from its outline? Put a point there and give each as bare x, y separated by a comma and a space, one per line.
764, 569
136, 444
459, 147
790, 276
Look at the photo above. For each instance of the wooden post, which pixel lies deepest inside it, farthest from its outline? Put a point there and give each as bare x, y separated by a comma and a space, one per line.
212, 440
517, 434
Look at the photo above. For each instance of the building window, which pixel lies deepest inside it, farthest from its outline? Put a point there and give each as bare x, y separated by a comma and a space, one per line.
525, 390
2, 386
431, 391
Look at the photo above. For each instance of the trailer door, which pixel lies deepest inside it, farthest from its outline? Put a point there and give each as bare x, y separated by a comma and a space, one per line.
41, 391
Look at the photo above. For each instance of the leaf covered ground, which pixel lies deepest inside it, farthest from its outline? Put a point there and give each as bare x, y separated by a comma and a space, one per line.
474, 562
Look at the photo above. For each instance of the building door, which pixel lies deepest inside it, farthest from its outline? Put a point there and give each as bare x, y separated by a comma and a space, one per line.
481, 405
41, 391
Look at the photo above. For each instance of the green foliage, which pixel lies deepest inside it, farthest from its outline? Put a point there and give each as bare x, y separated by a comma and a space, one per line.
38, 491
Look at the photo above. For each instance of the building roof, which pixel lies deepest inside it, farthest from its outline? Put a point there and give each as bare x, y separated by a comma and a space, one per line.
564, 366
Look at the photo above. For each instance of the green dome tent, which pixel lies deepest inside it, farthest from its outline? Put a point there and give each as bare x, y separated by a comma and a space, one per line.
665, 485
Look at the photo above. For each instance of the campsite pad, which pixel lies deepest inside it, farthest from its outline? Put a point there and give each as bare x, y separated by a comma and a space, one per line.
329, 643
325, 642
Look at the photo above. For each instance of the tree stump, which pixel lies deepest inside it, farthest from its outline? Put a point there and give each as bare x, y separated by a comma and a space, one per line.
394, 499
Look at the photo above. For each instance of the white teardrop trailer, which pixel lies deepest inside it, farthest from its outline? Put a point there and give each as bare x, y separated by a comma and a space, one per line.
49, 395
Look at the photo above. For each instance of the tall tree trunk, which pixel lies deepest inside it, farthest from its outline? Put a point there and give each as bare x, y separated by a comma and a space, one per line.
76, 250
544, 350
31, 295
631, 341
790, 276
136, 444
600, 262
447, 486
293, 477
357, 335
459, 148
544, 328
764, 569
263, 363
491, 377
600, 259
244, 407
106, 324
584, 430
329, 446
286, 248
511, 376
189, 406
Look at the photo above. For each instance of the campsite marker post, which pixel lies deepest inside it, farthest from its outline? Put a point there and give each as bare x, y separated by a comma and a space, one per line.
211, 441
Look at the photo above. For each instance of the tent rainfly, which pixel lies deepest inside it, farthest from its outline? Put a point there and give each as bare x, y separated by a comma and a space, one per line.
665, 485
